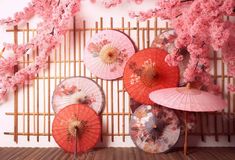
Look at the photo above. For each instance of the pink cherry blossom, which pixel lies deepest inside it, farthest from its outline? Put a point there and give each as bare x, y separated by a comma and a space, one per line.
199, 26
56, 15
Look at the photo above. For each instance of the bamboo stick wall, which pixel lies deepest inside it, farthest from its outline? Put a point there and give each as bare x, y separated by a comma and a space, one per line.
33, 115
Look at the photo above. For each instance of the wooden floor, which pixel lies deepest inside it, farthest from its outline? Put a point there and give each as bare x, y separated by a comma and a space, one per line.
116, 154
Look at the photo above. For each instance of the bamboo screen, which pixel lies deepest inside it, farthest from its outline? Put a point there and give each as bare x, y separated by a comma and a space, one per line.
33, 115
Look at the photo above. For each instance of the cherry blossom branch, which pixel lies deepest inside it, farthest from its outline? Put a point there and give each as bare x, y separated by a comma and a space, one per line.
49, 35
19, 17
35, 7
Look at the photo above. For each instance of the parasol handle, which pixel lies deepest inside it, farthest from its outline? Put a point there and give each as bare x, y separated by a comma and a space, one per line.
76, 127
149, 75
188, 86
185, 133
109, 54
76, 142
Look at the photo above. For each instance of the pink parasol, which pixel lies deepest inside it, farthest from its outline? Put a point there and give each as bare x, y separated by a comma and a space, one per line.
188, 99
107, 53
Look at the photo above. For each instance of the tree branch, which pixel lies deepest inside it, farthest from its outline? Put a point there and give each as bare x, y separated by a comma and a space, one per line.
186, 1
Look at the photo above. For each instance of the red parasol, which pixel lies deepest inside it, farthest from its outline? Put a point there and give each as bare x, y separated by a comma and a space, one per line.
76, 128
147, 71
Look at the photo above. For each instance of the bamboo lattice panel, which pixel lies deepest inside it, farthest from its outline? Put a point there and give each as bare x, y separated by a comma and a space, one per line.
33, 114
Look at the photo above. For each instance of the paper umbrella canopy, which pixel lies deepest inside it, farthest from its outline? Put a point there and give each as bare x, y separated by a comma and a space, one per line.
107, 53
76, 128
166, 41
147, 71
154, 129
188, 99
78, 90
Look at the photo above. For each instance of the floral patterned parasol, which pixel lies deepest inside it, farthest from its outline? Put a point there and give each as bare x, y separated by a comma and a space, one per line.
146, 72
78, 90
154, 129
107, 53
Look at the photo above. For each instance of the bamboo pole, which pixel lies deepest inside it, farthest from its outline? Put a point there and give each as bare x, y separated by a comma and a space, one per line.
16, 93
129, 34
28, 92
49, 100
155, 27
74, 45
99, 29
65, 55
143, 39
60, 67
104, 134
34, 96
79, 52
148, 34
69, 53
111, 98
215, 81
44, 102
84, 45
228, 114
38, 101
101, 81
223, 76
24, 103
52, 114
41, 134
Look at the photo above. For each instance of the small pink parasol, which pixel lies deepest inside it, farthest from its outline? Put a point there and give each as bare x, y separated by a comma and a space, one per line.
188, 99
107, 53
